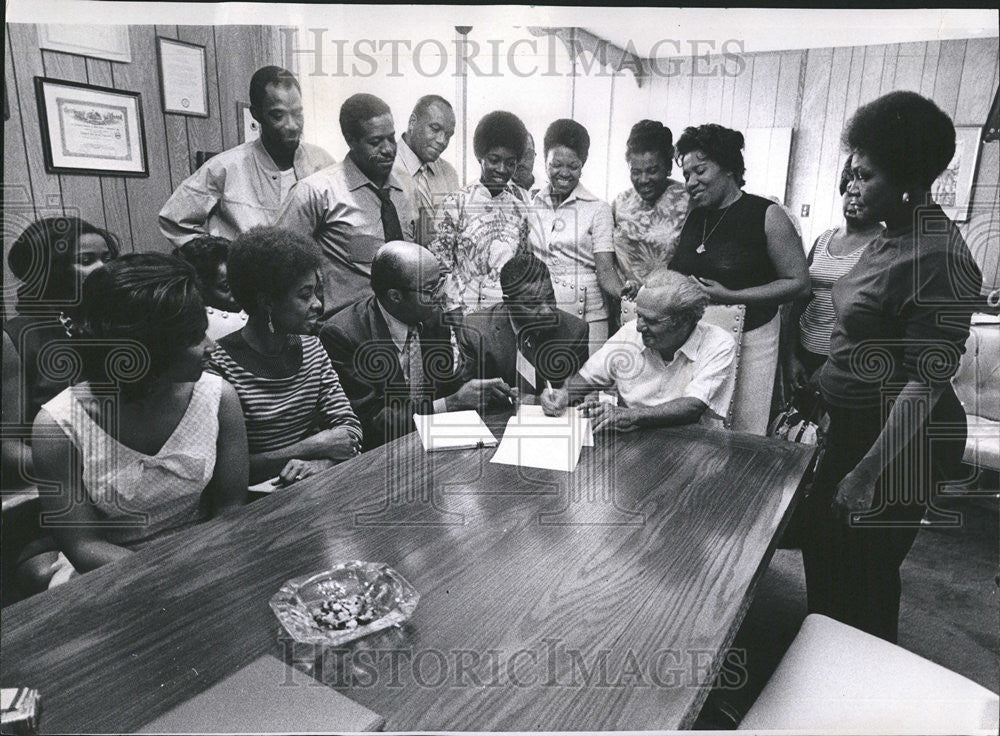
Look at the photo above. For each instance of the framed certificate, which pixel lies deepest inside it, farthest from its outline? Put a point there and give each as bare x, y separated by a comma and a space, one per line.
91, 130
183, 77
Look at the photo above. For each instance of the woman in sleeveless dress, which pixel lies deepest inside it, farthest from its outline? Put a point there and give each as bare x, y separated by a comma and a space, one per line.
742, 249
147, 444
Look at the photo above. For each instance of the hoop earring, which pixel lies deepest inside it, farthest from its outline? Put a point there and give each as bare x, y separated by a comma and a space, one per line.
906, 197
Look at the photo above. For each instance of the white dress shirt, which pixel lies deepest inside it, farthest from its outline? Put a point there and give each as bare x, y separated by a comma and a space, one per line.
701, 369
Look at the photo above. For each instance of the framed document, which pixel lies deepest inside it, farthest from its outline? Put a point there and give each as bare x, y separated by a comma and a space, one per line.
90, 130
183, 77
248, 127
99, 42
953, 189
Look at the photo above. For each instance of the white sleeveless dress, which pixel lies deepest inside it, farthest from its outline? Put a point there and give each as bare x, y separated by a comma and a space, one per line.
140, 497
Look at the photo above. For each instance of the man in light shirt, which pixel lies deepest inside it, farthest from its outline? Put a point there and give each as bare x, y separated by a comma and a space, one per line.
245, 186
419, 162
394, 354
353, 208
667, 366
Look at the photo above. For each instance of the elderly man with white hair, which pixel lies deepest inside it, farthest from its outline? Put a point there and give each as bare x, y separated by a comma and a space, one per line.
668, 367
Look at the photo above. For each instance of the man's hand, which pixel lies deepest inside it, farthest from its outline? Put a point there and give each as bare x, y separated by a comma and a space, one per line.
297, 469
478, 393
554, 401
604, 416
335, 444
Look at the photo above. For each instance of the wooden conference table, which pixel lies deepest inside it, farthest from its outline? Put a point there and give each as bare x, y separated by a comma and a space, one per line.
601, 599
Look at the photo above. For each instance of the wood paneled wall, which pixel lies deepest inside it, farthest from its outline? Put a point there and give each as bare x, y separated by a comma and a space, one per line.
125, 205
816, 91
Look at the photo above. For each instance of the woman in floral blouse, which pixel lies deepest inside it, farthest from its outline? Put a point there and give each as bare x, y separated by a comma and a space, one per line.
648, 218
479, 228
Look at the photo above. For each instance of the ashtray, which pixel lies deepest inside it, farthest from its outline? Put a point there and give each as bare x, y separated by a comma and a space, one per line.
346, 602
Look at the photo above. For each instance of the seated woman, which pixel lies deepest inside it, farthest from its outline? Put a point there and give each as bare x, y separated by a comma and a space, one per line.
298, 419
480, 227
808, 323
209, 254
649, 216
574, 232
158, 444
50, 259
742, 249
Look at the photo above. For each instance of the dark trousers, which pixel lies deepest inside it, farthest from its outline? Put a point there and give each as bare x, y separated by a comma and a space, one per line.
852, 570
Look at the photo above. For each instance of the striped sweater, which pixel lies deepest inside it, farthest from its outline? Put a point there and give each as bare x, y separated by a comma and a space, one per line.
286, 398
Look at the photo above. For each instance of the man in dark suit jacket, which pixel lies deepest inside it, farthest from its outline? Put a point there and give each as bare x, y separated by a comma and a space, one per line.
525, 340
395, 355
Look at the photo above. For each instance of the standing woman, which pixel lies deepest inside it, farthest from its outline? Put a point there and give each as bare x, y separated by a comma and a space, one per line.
743, 250
574, 232
902, 321
298, 419
167, 447
649, 216
481, 226
809, 322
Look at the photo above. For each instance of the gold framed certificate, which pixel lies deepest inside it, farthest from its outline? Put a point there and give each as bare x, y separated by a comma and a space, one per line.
91, 130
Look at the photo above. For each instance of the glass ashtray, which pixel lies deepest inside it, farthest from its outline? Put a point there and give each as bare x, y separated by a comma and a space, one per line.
346, 602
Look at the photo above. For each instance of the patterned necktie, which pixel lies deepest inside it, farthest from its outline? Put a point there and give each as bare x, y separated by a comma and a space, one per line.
390, 218
415, 358
423, 184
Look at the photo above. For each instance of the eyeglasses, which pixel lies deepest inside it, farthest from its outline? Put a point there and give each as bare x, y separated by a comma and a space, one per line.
428, 291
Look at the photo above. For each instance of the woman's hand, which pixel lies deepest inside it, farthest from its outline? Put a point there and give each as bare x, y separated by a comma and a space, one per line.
630, 290
716, 291
338, 444
604, 416
855, 492
296, 470
798, 376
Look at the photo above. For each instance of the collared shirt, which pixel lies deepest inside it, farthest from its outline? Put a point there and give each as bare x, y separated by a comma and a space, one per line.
701, 369
566, 236
645, 235
476, 235
399, 332
234, 191
339, 208
439, 179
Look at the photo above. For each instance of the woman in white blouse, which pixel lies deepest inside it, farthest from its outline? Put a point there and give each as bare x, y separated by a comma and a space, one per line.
574, 232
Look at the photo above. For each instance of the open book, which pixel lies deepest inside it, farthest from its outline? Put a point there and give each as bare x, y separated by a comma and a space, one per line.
453, 430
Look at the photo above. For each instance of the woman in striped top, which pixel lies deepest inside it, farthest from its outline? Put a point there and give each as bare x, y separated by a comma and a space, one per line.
298, 419
809, 322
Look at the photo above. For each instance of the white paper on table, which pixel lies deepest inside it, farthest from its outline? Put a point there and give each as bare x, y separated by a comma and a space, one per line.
266, 486
534, 415
534, 442
453, 430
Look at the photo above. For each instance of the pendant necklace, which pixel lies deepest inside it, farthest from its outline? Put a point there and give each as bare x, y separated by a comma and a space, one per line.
704, 237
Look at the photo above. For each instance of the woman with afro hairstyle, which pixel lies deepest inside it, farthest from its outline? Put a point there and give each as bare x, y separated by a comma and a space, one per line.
897, 431
480, 227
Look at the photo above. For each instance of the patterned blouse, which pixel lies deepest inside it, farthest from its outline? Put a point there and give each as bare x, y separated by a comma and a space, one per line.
475, 235
645, 235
